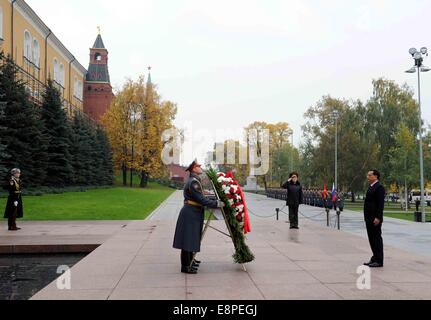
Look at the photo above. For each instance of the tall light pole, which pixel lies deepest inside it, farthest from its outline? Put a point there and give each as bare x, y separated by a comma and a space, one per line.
335, 115
134, 117
418, 56
291, 152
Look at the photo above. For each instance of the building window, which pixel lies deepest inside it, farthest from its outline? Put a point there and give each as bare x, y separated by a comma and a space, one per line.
36, 53
98, 56
78, 89
1, 23
56, 71
61, 75
27, 46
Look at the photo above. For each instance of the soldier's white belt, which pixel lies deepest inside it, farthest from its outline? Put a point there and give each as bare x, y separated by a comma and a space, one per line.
193, 203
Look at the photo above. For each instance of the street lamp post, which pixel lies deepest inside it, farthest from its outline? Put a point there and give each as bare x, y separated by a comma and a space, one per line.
291, 152
134, 117
418, 56
335, 115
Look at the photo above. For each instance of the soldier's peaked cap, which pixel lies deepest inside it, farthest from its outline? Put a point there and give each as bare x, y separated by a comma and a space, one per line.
193, 165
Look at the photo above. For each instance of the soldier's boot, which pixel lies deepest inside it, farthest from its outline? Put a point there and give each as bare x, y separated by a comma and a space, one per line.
194, 263
186, 263
12, 223
291, 220
296, 219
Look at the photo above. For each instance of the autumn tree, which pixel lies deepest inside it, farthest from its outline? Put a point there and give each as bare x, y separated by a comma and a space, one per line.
390, 106
279, 149
356, 149
135, 124
403, 161
234, 152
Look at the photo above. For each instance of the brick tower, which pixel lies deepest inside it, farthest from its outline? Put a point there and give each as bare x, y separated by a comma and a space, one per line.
97, 90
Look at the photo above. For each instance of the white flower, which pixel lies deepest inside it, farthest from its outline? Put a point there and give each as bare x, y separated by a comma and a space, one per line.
231, 202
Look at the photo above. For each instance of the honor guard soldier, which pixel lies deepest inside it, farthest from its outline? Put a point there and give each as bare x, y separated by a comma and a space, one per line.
188, 233
14, 207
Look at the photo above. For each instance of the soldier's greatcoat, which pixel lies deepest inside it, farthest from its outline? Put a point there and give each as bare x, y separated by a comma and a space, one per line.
15, 194
190, 223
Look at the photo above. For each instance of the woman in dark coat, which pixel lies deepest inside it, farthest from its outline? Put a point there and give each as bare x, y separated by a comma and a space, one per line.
14, 206
294, 198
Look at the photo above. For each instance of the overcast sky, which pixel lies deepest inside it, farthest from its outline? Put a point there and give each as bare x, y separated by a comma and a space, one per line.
229, 63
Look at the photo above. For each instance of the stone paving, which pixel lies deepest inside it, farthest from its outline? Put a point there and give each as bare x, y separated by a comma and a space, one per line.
57, 236
408, 235
314, 262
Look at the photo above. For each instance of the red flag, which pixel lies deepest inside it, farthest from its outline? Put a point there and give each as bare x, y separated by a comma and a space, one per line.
325, 190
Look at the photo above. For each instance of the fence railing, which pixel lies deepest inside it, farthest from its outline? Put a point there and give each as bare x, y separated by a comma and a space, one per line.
29, 74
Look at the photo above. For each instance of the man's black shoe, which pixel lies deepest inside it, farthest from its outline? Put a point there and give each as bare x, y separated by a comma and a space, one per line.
375, 265
368, 263
189, 270
195, 265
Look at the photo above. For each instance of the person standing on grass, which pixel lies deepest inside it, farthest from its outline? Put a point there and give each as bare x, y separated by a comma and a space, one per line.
14, 206
294, 198
374, 206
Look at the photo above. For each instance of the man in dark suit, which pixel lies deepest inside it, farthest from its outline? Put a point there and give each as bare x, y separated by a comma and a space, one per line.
373, 211
294, 198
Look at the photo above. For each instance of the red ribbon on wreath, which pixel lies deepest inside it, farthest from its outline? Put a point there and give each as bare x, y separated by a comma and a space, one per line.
247, 224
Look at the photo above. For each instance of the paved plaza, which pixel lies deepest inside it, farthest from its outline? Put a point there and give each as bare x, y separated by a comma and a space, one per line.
57, 236
316, 262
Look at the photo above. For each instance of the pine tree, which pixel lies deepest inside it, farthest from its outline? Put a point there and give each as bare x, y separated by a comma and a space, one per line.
24, 144
81, 151
96, 154
4, 156
107, 172
58, 131
93, 158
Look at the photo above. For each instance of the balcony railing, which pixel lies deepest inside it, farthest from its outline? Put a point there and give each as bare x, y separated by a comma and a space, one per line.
35, 89
59, 87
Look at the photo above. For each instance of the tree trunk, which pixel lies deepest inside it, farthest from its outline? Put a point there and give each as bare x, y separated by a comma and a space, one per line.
124, 169
353, 197
144, 180
406, 195
400, 195
131, 178
265, 183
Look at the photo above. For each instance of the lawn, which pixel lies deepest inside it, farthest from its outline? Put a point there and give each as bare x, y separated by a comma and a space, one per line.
392, 210
116, 203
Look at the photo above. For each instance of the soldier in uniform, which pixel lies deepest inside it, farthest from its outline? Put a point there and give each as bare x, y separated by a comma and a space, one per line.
295, 198
188, 233
14, 207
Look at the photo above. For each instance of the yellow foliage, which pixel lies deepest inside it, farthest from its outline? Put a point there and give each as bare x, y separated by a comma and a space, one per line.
135, 124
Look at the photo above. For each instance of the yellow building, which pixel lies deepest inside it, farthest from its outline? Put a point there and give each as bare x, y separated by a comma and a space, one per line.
39, 54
